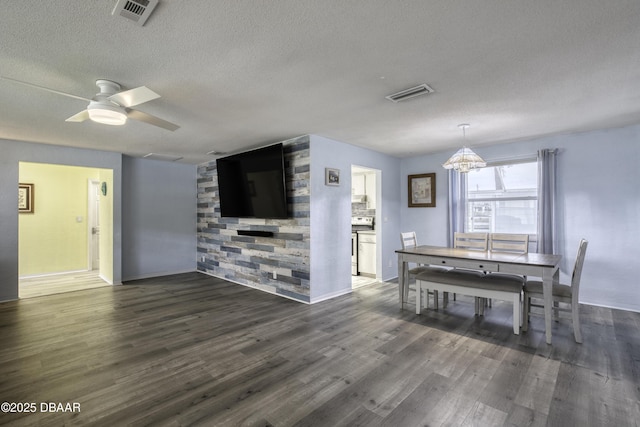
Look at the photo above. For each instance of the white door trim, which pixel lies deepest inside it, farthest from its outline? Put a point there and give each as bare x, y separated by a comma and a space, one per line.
93, 188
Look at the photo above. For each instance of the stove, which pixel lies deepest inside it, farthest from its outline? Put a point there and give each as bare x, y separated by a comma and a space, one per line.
361, 223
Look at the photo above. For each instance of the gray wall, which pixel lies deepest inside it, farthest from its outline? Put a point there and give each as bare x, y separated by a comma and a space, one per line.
331, 215
598, 193
153, 214
14, 152
159, 218
599, 199
313, 249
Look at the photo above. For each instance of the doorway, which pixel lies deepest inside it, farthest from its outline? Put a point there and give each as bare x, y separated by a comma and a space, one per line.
62, 240
365, 204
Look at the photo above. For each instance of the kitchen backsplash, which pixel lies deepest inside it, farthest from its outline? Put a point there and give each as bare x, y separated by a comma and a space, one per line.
360, 209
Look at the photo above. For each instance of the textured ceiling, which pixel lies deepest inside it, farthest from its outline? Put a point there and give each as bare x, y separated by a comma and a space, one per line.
237, 74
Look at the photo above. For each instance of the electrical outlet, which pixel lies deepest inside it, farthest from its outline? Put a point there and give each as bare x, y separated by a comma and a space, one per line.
390, 263
275, 275
202, 258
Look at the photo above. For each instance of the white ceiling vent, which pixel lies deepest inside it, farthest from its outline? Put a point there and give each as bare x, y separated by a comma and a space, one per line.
164, 157
136, 10
403, 95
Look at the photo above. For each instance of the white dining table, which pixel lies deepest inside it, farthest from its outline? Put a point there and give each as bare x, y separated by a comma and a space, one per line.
546, 266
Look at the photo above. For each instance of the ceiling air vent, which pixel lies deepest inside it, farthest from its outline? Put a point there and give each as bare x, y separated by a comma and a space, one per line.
403, 95
164, 157
136, 10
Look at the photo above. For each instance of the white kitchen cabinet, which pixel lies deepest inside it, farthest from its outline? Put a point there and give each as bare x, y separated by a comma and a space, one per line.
364, 184
358, 185
367, 254
370, 189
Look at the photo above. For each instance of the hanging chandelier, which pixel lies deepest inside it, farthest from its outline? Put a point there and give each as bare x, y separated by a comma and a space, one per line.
464, 159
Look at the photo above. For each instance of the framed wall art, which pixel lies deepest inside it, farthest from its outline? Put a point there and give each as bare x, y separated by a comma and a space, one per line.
331, 176
25, 198
422, 190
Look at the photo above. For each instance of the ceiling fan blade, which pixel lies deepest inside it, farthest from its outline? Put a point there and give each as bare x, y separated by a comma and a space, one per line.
45, 88
152, 120
80, 117
132, 97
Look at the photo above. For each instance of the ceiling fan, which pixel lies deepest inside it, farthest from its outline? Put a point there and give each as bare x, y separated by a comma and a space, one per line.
111, 106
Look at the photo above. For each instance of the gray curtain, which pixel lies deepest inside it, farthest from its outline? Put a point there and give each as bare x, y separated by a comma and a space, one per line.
547, 239
457, 203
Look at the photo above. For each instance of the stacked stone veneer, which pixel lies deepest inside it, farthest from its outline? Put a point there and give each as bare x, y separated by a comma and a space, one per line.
252, 260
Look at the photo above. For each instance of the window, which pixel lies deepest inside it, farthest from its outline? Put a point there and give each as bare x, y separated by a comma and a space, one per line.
503, 198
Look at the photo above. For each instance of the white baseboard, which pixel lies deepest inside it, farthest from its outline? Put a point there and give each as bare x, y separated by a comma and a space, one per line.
159, 274
57, 273
330, 295
254, 287
610, 306
105, 279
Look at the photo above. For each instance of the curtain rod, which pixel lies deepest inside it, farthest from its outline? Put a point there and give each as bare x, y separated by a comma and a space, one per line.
532, 157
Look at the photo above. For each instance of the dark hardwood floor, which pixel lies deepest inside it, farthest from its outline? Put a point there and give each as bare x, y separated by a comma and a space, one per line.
193, 350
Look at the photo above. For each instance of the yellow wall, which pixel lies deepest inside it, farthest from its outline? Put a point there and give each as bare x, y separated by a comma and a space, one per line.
54, 237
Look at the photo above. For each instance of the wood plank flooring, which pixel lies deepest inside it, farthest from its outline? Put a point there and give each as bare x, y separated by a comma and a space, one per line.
194, 350
360, 281
59, 283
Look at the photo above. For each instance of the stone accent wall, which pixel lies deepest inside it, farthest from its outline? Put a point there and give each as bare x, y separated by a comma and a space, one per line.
252, 260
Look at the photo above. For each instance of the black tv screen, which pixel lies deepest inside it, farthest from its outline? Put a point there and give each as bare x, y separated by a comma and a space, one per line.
252, 184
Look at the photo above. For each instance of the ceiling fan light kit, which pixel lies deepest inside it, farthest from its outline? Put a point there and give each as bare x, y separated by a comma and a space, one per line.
106, 114
111, 106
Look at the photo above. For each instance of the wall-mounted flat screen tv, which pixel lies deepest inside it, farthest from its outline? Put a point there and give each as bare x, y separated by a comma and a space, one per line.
252, 184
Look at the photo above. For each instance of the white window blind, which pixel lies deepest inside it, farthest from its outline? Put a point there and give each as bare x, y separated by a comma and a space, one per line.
503, 198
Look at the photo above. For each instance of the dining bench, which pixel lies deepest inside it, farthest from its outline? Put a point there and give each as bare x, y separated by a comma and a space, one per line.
476, 284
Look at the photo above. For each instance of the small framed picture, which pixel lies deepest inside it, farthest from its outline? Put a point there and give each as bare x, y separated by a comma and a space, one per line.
331, 176
25, 198
422, 190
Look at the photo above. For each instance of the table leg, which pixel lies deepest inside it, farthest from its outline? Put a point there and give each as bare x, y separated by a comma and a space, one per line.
401, 269
547, 281
405, 286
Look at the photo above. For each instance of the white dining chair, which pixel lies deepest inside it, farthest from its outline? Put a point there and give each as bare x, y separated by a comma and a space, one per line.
506, 243
409, 240
509, 243
568, 294
470, 241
